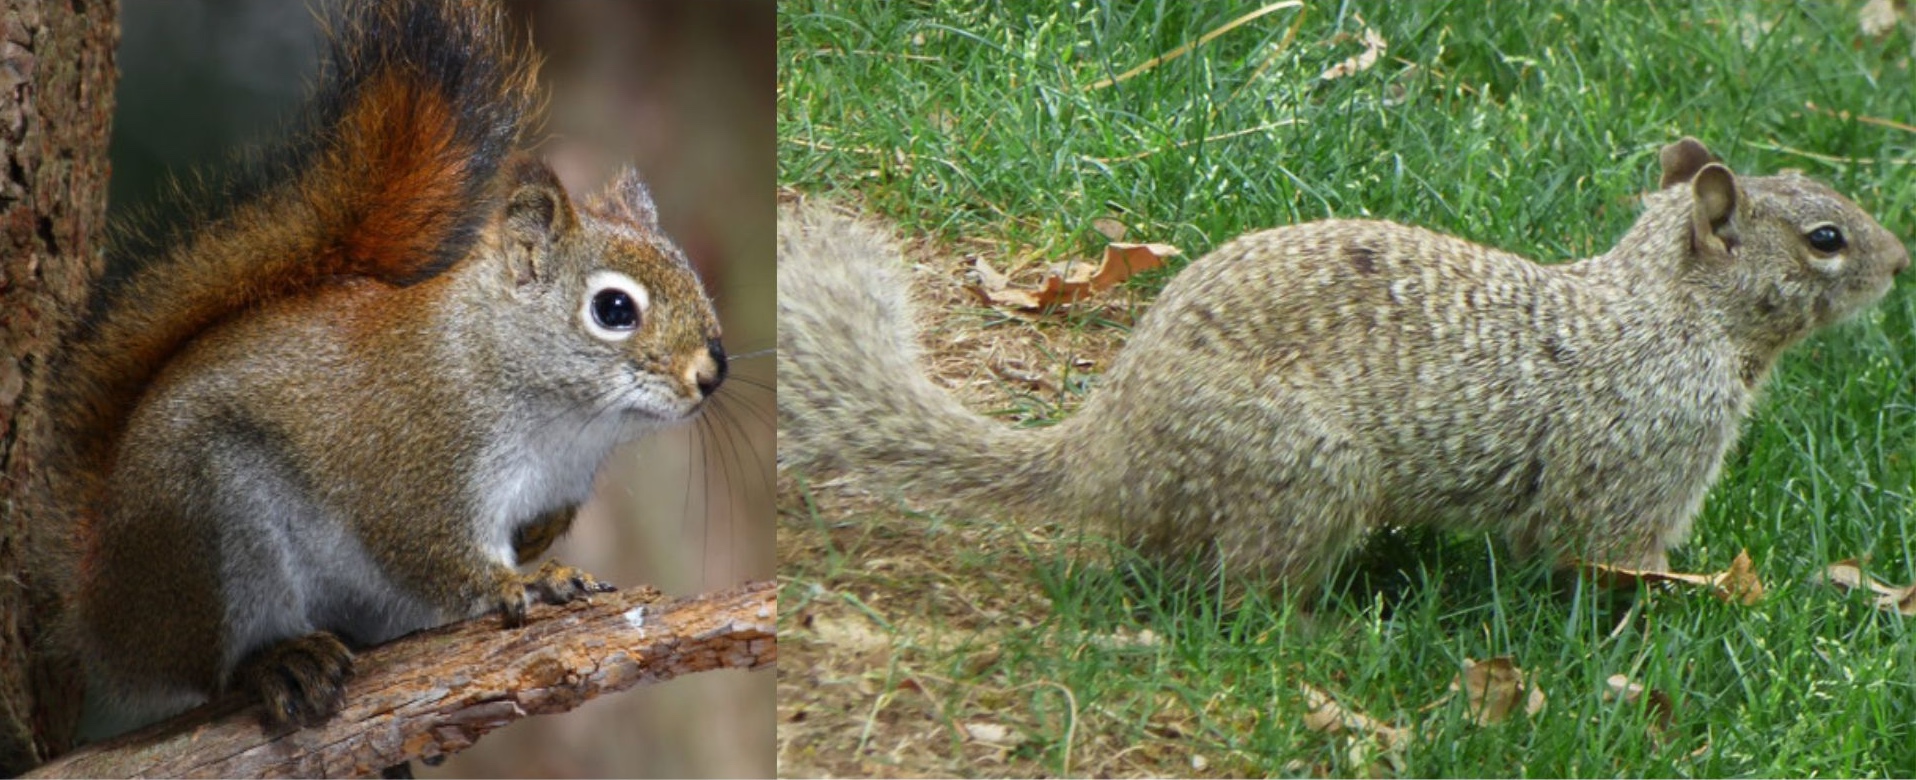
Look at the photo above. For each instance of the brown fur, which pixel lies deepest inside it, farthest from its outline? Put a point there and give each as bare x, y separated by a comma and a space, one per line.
382, 195
345, 408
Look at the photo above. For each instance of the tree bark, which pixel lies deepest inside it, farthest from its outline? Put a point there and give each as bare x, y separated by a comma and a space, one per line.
434, 693
56, 104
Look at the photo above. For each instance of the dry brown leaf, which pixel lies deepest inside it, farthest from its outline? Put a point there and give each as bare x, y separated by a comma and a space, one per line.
1738, 583
1077, 282
1122, 261
1903, 602
995, 289
1494, 688
1661, 708
1375, 745
1374, 46
989, 280
1328, 717
1848, 574
1111, 229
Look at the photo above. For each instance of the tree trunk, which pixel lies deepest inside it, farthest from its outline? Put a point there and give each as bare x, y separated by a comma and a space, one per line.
56, 103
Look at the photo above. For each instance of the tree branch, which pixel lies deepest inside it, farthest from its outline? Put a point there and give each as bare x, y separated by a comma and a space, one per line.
434, 693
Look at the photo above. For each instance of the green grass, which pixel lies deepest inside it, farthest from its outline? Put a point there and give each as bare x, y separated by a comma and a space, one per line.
1529, 128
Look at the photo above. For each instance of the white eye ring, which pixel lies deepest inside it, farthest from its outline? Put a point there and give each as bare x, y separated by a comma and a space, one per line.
614, 305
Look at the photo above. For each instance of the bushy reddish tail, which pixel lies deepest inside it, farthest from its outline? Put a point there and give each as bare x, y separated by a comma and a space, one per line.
389, 175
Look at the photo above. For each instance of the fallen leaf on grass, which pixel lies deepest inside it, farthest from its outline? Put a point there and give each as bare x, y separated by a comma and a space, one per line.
1848, 575
1374, 46
989, 280
1495, 688
1076, 282
1326, 716
1738, 583
1377, 746
1661, 709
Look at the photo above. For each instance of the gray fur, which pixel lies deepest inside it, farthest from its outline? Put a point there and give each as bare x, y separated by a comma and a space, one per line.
1301, 386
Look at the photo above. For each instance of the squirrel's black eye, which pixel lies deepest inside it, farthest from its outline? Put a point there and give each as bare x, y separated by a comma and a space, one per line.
1825, 238
613, 305
615, 309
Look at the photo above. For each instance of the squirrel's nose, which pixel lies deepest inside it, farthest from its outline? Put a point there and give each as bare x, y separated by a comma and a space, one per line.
710, 375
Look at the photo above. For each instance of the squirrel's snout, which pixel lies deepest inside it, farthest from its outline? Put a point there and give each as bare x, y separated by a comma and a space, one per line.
708, 370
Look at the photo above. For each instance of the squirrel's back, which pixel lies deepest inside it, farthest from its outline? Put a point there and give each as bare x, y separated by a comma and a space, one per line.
1436, 379
389, 176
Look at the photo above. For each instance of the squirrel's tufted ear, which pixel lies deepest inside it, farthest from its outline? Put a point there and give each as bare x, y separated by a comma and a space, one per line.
538, 208
626, 199
1682, 160
537, 212
1716, 197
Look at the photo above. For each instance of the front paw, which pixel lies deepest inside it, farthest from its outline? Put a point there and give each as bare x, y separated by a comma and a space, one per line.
553, 583
557, 583
301, 681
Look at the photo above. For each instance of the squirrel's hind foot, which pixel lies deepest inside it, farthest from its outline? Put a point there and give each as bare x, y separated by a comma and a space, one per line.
301, 681
553, 583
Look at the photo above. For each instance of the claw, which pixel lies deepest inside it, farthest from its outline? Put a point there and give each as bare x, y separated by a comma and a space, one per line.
509, 599
557, 583
302, 681
553, 583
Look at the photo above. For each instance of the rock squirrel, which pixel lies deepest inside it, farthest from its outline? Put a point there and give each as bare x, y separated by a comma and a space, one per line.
1301, 386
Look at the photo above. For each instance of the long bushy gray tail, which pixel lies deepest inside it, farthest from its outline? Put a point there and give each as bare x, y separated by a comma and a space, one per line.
852, 395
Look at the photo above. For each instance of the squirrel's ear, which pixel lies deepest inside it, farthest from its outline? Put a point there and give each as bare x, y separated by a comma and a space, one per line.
538, 208
537, 212
1716, 196
1682, 160
626, 199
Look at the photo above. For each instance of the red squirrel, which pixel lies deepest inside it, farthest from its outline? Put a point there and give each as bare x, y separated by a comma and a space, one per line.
348, 405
